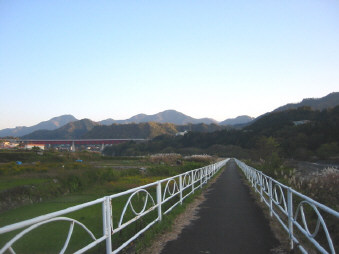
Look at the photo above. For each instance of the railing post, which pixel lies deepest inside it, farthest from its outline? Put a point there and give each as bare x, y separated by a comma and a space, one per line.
192, 177
252, 176
159, 201
104, 226
108, 226
261, 187
270, 195
201, 175
206, 170
180, 188
290, 216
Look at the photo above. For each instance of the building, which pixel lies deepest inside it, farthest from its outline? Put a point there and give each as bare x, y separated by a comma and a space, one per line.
9, 145
181, 133
301, 122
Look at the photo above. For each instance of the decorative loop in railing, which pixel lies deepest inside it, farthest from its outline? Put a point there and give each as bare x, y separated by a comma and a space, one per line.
9, 244
279, 198
130, 203
273, 192
196, 175
186, 181
320, 222
171, 189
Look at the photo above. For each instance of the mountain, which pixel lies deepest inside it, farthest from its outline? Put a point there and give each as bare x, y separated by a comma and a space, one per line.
167, 116
131, 130
52, 124
238, 120
71, 130
91, 130
329, 101
146, 130
201, 127
175, 117
107, 121
279, 134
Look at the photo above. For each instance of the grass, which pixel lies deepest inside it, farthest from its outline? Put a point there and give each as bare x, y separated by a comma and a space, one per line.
82, 184
11, 183
146, 240
325, 190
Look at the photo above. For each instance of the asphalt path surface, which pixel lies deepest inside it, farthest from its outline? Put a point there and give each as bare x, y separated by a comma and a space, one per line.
229, 221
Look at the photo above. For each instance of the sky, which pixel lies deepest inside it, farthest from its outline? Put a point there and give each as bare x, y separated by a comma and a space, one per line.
115, 59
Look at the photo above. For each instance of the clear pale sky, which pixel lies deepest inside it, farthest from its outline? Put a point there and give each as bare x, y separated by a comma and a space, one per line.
115, 59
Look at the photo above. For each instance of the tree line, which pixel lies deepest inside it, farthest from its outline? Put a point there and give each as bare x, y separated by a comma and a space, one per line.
315, 136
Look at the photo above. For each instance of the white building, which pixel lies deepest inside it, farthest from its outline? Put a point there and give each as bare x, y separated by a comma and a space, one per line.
181, 133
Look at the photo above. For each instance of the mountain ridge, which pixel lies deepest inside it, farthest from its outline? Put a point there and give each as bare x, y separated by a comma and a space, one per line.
172, 116
51, 124
88, 129
237, 120
329, 101
167, 116
72, 130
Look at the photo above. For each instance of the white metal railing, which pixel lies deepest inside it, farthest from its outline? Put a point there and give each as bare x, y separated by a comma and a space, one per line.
180, 186
283, 198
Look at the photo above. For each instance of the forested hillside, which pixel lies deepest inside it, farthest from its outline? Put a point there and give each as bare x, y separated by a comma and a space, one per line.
71, 130
299, 133
146, 130
133, 130
88, 129
329, 101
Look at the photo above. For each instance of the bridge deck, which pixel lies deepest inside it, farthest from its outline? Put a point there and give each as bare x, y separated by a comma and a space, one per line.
228, 221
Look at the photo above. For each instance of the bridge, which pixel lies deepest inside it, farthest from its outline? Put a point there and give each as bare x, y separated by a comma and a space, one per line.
228, 221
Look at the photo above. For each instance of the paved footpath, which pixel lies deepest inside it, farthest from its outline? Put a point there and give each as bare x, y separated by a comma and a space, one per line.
229, 222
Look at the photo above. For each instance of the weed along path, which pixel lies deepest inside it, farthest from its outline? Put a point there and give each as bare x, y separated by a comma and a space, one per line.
228, 221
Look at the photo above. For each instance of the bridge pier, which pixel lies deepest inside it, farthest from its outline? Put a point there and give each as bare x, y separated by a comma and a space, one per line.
73, 147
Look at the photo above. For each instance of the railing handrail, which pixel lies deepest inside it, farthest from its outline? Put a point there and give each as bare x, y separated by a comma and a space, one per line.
284, 202
320, 205
190, 178
272, 192
44, 217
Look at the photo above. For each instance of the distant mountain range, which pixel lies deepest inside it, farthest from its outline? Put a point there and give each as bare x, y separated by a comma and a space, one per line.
167, 116
237, 120
51, 124
88, 129
72, 130
43, 129
329, 101
67, 126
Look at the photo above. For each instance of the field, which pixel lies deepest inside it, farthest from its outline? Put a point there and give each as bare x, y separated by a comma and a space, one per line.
39, 187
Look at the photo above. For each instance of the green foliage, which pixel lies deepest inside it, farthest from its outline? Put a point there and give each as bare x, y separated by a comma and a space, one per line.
168, 170
272, 135
78, 185
71, 130
6, 183
146, 130
328, 150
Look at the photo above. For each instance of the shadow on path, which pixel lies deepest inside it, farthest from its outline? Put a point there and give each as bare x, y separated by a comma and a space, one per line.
228, 221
